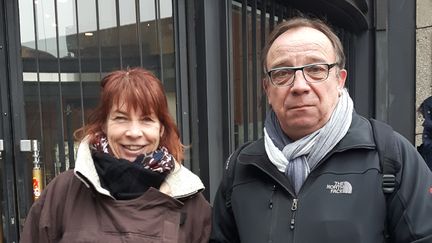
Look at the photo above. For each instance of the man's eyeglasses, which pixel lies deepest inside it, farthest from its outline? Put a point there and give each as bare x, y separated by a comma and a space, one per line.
312, 73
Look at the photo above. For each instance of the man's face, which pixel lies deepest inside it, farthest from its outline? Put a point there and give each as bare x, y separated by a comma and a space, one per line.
303, 107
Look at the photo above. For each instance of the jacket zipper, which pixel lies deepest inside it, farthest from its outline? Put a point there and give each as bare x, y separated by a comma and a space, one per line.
270, 205
271, 197
294, 210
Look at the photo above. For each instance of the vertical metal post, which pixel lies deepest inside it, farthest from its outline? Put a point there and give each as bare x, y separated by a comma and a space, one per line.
254, 72
1, 208
264, 30
1, 148
401, 39
245, 78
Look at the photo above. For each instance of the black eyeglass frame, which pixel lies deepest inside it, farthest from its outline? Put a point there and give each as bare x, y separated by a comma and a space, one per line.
329, 66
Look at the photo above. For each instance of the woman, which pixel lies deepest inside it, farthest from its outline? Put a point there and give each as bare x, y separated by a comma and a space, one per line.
128, 184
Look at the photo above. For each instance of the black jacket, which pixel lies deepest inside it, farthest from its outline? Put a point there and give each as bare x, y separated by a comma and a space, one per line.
341, 200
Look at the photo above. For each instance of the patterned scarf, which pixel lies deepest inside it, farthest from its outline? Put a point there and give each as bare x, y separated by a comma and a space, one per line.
126, 179
297, 158
159, 161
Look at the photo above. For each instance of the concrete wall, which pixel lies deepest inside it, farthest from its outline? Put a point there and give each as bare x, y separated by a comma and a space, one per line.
423, 58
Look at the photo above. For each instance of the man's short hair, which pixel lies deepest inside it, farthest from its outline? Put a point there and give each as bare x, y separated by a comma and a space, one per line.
310, 22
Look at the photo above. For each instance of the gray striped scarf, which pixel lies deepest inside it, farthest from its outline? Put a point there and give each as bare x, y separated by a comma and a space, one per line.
297, 158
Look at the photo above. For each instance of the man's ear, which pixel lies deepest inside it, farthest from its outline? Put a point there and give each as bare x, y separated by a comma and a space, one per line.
342, 77
265, 85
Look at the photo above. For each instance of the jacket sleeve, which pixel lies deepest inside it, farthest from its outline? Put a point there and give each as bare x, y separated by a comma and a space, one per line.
224, 228
43, 223
205, 215
410, 211
33, 232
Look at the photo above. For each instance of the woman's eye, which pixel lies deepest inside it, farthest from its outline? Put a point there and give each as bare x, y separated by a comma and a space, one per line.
147, 119
120, 118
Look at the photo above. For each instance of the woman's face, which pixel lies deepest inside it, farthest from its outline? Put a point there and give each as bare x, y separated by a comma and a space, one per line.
130, 134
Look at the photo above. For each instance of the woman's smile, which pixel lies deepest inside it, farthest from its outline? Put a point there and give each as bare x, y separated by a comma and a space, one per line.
131, 133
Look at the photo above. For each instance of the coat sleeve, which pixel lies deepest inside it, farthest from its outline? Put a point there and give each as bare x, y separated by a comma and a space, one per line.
195, 223
205, 215
43, 223
33, 231
224, 228
410, 211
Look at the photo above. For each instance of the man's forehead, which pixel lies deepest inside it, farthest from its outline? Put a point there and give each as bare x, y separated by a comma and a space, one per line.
300, 36
305, 51
305, 42
297, 46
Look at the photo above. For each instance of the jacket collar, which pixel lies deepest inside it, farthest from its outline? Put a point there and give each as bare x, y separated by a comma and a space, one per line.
255, 155
180, 183
359, 135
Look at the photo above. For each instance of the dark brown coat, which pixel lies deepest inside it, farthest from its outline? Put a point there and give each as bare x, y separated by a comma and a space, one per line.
68, 211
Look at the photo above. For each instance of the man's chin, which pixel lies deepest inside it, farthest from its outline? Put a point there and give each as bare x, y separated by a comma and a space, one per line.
300, 120
300, 126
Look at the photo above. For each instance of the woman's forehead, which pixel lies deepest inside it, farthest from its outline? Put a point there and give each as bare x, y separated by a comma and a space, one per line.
124, 105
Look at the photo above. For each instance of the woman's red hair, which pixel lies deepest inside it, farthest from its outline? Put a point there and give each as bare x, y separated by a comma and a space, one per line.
138, 89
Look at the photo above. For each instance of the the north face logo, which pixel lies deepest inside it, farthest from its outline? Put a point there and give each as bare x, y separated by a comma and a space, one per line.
340, 187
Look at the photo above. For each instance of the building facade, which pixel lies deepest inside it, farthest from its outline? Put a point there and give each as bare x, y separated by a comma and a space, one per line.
423, 60
53, 54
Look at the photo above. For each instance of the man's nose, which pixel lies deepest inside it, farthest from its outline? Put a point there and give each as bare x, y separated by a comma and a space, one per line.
299, 83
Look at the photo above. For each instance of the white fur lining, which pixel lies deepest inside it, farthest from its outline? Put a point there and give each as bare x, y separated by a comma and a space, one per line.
182, 182
85, 169
179, 183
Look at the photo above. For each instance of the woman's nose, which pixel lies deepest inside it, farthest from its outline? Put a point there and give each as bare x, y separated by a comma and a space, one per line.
134, 130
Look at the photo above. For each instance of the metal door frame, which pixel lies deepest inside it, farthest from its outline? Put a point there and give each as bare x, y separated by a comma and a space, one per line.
16, 176
10, 229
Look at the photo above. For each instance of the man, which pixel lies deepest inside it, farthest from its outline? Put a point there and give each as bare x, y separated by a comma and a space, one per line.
315, 176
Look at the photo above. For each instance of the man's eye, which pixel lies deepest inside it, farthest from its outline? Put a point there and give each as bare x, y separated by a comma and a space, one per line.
281, 73
280, 77
315, 69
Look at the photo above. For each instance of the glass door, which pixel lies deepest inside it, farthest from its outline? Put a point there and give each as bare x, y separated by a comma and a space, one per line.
49, 82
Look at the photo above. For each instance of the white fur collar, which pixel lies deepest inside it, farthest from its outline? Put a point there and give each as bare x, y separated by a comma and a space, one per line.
181, 182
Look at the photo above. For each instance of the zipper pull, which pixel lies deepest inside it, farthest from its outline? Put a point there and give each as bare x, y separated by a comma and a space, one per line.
294, 204
293, 209
271, 197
